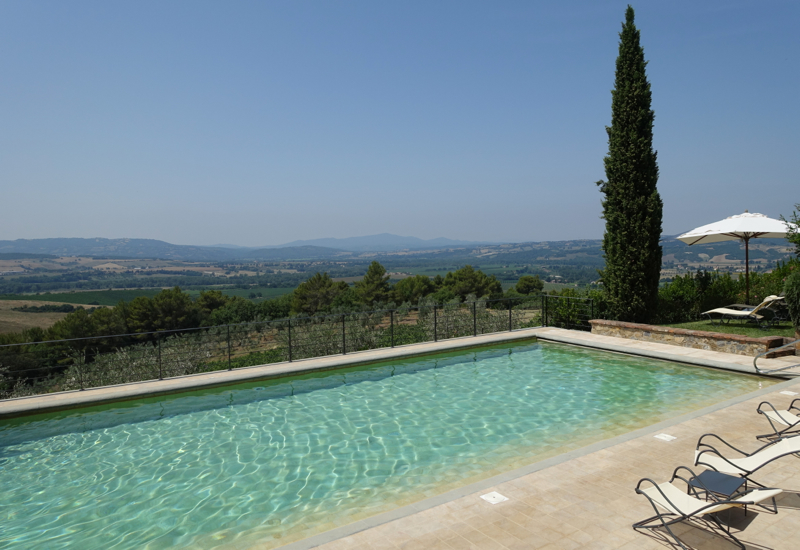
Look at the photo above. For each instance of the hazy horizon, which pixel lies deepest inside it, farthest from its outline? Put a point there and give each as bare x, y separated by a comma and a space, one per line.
281, 244
259, 124
301, 242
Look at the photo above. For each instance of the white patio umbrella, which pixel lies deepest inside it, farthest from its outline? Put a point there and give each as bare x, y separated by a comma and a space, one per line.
741, 227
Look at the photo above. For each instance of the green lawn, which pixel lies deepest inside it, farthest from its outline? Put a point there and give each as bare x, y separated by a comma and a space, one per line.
736, 327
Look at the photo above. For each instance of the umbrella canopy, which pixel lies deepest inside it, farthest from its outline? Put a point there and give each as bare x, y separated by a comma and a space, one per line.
741, 227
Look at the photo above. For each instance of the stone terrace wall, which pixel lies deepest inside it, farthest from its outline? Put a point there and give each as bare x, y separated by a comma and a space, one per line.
699, 339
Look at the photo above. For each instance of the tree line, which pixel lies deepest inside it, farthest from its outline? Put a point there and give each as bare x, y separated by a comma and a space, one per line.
174, 309
93, 280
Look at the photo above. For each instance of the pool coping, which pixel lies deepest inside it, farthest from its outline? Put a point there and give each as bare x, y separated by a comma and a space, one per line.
51, 402
667, 352
516, 473
36, 404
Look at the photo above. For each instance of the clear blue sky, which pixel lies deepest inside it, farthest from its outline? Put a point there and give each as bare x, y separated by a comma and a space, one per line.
263, 122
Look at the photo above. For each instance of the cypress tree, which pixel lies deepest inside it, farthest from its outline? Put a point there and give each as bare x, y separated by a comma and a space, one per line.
632, 205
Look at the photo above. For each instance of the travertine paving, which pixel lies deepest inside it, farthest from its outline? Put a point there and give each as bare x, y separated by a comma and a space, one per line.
589, 502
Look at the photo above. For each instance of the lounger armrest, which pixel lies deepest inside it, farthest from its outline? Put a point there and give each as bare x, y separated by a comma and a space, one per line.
795, 405
764, 405
643, 480
654, 503
698, 461
778, 431
700, 443
675, 474
693, 483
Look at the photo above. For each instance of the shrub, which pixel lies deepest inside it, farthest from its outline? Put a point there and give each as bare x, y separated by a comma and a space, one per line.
600, 303
687, 296
791, 289
767, 284
276, 308
529, 284
236, 310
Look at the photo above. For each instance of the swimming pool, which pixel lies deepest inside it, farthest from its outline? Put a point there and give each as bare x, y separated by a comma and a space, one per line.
275, 461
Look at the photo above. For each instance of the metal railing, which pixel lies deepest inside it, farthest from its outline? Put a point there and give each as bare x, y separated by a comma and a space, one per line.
782, 370
567, 312
34, 368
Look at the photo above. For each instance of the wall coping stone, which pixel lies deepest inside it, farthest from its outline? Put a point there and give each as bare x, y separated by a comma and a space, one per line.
768, 342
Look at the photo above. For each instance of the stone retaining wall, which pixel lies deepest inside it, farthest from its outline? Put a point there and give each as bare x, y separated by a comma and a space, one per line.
699, 339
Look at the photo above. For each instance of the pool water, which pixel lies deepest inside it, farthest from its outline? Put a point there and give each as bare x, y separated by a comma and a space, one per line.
276, 461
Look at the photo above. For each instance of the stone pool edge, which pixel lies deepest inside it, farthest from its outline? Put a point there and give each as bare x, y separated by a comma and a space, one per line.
516, 473
665, 352
52, 402
36, 404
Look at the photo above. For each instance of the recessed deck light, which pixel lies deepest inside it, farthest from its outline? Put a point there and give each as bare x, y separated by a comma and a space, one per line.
665, 437
494, 497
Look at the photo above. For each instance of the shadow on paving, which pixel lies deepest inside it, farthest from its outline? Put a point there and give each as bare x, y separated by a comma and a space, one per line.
700, 534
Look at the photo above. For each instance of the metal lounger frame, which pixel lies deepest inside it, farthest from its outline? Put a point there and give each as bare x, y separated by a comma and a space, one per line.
779, 431
665, 519
710, 449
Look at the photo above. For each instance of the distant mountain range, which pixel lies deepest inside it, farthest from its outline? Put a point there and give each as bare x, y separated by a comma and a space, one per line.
297, 250
151, 248
385, 242
578, 252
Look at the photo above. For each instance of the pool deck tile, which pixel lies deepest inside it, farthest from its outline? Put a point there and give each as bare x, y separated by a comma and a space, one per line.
589, 501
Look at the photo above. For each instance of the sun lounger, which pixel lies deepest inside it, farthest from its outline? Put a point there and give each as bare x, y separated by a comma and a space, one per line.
747, 464
784, 423
673, 505
760, 313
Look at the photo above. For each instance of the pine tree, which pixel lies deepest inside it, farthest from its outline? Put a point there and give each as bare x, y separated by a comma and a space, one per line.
632, 206
374, 287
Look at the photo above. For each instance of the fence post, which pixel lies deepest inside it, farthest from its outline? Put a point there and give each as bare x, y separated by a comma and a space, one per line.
391, 329
229, 345
80, 369
344, 338
160, 372
474, 320
435, 327
510, 328
290, 340
591, 305
544, 310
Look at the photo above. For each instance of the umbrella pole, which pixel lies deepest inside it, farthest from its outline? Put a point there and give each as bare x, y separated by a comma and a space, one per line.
747, 269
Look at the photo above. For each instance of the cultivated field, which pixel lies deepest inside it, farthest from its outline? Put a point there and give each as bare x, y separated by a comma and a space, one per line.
15, 321
113, 297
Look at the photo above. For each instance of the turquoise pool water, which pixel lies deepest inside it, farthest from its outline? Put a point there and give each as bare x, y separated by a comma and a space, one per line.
280, 460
